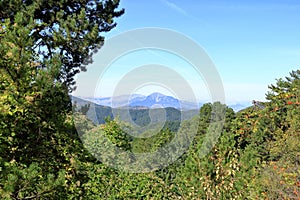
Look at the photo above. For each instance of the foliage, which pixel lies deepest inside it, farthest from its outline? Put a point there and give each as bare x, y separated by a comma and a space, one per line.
43, 44
70, 30
30, 182
48, 153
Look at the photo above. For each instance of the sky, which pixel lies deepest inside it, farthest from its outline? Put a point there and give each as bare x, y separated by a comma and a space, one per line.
251, 43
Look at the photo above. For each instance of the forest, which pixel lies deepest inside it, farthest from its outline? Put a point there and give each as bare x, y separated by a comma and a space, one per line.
48, 152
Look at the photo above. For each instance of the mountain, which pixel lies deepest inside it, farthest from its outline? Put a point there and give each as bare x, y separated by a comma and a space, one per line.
154, 100
137, 115
96, 113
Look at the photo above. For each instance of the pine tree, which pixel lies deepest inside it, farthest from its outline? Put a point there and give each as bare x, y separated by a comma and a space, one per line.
69, 31
43, 44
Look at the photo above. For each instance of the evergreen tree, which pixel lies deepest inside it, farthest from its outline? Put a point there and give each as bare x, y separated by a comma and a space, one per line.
69, 31
43, 44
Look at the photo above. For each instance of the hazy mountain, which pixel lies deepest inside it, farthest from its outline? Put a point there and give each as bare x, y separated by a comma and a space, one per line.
155, 100
138, 115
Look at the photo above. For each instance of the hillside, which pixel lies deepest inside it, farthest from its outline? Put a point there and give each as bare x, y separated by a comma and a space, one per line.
135, 115
256, 155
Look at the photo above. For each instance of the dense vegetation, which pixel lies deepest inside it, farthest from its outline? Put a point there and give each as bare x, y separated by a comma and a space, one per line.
43, 45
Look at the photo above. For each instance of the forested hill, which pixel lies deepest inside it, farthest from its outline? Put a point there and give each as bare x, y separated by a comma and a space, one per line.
256, 156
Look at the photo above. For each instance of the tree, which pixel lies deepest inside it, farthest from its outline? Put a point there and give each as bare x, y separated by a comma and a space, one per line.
69, 30
284, 158
43, 44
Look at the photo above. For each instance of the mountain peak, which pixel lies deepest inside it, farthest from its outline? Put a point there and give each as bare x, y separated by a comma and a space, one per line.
159, 98
157, 94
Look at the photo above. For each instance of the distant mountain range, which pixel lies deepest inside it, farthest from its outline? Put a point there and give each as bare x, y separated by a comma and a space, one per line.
154, 100
139, 115
155, 110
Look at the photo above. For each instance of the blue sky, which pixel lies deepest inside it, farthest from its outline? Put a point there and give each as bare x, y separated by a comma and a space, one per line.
250, 42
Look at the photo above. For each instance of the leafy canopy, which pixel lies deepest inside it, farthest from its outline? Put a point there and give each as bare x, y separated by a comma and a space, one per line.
67, 30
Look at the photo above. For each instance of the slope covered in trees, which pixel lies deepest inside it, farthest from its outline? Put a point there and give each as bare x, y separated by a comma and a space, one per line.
257, 155
137, 116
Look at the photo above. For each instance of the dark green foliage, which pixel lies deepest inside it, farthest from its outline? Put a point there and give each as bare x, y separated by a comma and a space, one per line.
43, 44
152, 140
30, 182
69, 30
